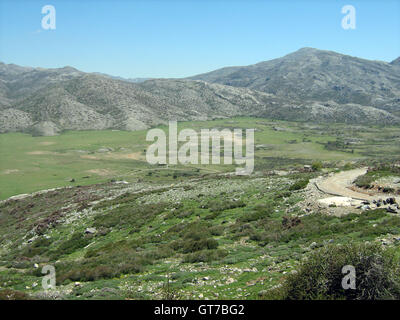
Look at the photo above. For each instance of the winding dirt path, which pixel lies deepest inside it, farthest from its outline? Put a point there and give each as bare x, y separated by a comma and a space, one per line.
338, 185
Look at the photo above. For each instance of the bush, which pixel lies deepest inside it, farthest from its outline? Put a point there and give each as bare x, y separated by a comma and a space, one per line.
8, 294
316, 165
78, 240
222, 205
205, 256
197, 245
320, 276
364, 181
298, 185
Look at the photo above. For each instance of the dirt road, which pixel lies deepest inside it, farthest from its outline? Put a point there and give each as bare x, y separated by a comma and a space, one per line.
338, 185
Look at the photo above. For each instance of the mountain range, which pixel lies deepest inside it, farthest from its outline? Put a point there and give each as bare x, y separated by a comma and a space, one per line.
307, 85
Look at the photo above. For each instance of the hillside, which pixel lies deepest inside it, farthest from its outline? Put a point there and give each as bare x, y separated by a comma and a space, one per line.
318, 75
308, 85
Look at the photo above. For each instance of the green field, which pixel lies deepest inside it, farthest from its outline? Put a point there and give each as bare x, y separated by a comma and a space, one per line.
30, 164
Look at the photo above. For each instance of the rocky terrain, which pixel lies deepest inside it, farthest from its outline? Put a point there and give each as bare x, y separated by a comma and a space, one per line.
318, 75
308, 85
212, 237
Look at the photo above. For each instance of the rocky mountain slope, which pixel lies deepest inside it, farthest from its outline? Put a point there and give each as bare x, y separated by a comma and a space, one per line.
317, 75
308, 85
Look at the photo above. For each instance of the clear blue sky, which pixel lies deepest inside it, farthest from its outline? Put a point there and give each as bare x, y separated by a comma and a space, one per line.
177, 38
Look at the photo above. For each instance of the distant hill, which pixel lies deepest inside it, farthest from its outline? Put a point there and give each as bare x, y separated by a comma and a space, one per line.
308, 85
134, 80
318, 75
396, 62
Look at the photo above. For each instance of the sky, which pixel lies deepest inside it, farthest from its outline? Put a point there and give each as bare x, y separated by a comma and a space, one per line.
179, 38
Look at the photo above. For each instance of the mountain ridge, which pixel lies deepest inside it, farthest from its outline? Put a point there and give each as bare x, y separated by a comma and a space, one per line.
318, 75
307, 85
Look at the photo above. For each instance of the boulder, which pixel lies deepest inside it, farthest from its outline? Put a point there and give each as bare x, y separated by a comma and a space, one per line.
90, 230
391, 200
313, 245
391, 210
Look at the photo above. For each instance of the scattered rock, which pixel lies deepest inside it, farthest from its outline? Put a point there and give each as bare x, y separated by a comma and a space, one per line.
90, 230
390, 200
262, 293
313, 245
391, 210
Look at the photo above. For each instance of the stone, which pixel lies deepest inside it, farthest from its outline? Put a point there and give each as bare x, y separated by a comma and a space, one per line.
391, 210
313, 245
90, 230
391, 200
262, 293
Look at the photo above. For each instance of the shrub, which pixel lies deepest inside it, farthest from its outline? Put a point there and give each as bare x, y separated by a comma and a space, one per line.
299, 184
78, 240
203, 244
316, 165
205, 256
364, 181
320, 276
8, 294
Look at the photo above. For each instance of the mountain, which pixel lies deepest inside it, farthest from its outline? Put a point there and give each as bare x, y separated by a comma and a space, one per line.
308, 85
396, 62
318, 75
97, 102
17, 82
134, 80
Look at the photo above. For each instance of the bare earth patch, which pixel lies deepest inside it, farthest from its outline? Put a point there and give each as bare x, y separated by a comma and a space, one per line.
90, 157
39, 153
132, 156
118, 156
10, 171
101, 172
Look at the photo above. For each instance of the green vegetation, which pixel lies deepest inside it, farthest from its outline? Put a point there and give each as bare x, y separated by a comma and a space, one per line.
74, 158
320, 276
375, 173
184, 232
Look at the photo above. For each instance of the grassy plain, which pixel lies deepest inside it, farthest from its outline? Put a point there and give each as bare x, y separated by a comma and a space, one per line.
30, 164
